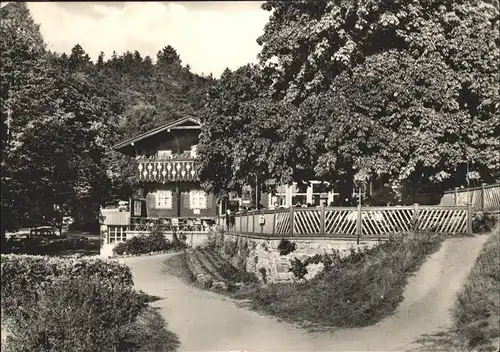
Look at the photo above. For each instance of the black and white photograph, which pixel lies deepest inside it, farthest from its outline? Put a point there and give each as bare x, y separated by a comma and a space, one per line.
250, 176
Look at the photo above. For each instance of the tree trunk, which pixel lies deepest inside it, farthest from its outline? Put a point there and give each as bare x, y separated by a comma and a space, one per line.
345, 192
4, 241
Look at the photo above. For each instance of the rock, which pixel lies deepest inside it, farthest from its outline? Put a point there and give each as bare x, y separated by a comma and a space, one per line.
281, 268
303, 257
219, 285
207, 282
284, 277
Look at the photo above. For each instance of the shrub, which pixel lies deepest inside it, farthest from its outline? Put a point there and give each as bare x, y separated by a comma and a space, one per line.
179, 241
263, 272
298, 268
286, 247
155, 242
75, 315
230, 248
23, 275
483, 223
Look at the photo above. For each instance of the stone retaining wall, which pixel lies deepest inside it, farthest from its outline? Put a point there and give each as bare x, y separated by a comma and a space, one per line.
259, 255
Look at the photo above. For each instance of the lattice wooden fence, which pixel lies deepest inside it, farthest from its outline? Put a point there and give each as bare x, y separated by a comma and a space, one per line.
483, 198
358, 222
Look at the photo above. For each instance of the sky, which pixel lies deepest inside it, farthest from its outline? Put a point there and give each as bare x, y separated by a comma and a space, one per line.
208, 35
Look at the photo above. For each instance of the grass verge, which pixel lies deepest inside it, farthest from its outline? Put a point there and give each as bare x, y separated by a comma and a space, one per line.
476, 311
357, 291
176, 265
206, 269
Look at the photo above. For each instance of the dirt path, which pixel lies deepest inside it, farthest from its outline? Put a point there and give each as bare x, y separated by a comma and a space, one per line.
205, 321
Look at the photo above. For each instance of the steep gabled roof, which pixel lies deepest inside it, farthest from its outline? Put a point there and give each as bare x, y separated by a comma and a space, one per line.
183, 123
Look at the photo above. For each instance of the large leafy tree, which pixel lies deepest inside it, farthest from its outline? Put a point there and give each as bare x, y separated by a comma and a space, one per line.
21, 51
59, 142
54, 123
360, 89
248, 137
391, 87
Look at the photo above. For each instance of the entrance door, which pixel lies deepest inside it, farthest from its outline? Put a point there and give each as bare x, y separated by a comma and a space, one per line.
138, 208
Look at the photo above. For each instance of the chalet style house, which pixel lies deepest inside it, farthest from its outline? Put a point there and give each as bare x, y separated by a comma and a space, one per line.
166, 166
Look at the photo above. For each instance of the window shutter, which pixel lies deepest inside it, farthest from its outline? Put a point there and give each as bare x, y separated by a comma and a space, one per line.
144, 208
191, 199
186, 200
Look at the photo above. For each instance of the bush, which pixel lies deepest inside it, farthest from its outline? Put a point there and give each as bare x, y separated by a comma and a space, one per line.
22, 275
142, 244
484, 223
230, 247
286, 247
179, 241
75, 315
263, 273
154, 242
298, 268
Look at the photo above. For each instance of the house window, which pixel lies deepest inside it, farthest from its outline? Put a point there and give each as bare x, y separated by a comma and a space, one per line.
316, 194
279, 197
197, 200
299, 194
163, 200
137, 208
117, 234
319, 193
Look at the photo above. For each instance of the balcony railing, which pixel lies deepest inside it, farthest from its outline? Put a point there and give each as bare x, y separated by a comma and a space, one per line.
167, 169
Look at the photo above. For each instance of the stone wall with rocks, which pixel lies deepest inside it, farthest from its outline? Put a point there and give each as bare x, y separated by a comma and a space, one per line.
262, 257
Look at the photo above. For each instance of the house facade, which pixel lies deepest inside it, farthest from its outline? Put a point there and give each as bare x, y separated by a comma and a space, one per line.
166, 164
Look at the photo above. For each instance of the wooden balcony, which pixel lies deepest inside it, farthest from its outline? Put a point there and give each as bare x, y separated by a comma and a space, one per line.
167, 169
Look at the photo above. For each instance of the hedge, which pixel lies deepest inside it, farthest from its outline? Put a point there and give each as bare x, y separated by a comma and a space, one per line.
76, 315
154, 242
22, 276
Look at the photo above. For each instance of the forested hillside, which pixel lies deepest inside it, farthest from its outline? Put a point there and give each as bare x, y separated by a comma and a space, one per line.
62, 113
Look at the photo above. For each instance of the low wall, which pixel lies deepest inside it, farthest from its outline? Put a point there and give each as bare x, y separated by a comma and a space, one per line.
256, 255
